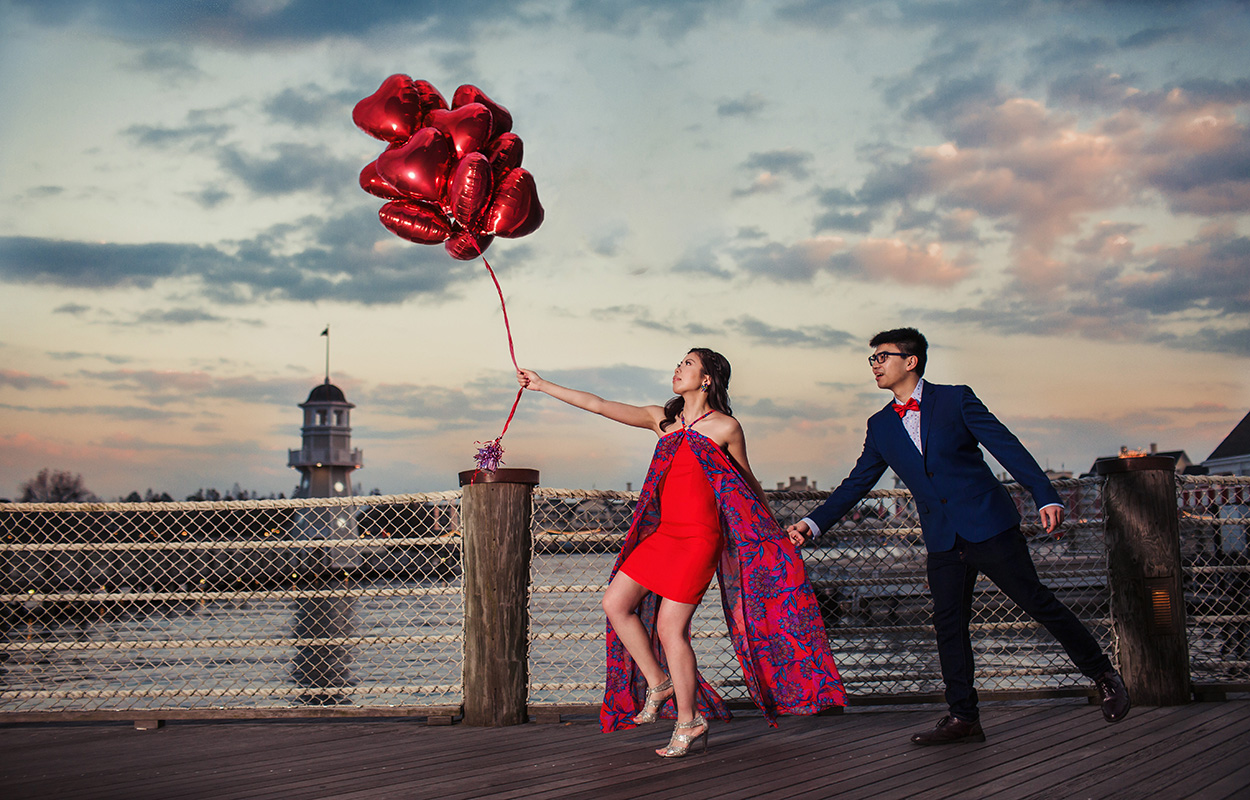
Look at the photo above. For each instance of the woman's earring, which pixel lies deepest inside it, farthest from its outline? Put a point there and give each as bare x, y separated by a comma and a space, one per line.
704, 387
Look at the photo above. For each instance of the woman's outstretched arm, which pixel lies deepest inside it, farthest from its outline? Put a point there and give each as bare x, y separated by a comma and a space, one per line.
637, 416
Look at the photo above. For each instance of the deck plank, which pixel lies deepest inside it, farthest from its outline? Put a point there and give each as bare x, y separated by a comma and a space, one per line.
1046, 749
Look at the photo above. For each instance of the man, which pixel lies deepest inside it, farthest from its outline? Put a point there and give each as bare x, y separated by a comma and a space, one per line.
931, 436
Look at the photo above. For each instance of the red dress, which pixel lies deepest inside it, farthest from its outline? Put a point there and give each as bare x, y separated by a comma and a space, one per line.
678, 561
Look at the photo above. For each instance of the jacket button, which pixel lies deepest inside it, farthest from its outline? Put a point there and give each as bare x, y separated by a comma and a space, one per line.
943, 501
930, 474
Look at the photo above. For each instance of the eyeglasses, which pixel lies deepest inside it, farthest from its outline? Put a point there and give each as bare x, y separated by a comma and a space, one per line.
879, 358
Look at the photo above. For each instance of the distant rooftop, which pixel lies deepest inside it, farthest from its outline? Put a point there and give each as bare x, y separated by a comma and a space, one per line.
1236, 443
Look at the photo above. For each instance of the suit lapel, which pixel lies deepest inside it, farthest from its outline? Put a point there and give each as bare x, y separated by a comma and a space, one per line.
897, 433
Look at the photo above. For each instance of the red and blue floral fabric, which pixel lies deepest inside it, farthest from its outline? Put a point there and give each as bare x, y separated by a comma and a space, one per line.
773, 618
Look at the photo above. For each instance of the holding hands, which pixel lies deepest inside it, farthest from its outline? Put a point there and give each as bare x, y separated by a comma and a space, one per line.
798, 533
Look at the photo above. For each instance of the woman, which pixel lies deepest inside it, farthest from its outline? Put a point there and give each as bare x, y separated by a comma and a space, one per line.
701, 511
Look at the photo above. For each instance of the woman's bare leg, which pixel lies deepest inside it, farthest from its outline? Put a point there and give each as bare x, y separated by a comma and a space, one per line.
620, 603
673, 627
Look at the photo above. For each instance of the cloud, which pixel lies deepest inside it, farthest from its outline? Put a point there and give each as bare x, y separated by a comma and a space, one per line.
291, 167
1208, 274
783, 162
172, 63
1036, 174
259, 23
867, 260
1067, 52
1150, 37
24, 381
705, 261
193, 135
851, 221
73, 309
670, 19
310, 105
349, 258
812, 336
439, 407
1096, 87
1117, 292
72, 355
748, 105
120, 413
166, 387
178, 316
816, 13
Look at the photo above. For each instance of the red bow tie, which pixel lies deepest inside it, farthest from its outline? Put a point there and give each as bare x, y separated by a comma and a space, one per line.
903, 408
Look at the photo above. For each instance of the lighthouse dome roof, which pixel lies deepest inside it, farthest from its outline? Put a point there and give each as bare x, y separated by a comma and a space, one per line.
326, 393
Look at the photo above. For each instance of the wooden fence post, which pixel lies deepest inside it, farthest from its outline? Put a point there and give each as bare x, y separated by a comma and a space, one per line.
1144, 567
495, 512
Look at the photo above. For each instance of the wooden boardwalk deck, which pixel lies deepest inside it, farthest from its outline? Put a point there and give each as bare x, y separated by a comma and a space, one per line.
1053, 749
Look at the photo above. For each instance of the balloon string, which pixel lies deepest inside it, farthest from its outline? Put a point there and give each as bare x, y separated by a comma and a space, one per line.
511, 349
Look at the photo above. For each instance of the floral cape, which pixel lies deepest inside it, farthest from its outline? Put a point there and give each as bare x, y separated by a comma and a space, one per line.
773, 618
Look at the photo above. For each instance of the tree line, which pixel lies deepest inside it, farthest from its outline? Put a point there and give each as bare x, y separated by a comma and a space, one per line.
63, 486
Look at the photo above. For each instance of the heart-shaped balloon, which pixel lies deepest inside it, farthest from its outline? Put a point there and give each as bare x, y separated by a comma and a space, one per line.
468, 93
468, 126
469, 191
466, 245
374, 184
515, 210
415, 221
431, 99
391, 113
419, 168
504, 152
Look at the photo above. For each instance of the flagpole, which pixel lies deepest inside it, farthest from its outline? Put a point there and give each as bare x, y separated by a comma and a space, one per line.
326, 333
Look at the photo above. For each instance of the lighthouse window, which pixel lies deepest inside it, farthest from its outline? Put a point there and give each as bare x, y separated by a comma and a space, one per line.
321, 417
338, 417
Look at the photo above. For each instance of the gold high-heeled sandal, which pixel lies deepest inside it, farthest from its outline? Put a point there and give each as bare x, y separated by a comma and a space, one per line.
679, 745
651, 708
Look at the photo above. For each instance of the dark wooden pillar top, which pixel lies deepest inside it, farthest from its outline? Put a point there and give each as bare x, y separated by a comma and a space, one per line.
1116, 466
529, 477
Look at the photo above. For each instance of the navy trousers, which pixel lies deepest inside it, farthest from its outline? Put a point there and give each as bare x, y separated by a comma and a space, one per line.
1005, 560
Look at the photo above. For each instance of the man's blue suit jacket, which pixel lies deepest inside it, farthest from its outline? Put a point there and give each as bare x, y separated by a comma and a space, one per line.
955, 490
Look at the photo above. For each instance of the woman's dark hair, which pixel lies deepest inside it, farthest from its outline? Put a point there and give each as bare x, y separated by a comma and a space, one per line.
716, 368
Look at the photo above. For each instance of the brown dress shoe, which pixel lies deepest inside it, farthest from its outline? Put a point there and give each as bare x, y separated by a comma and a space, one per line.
1114, 696
951, 730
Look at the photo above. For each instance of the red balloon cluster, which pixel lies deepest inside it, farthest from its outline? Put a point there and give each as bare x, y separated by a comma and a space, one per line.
453, 174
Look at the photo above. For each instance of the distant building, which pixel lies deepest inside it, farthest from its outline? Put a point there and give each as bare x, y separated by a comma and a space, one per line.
325, 463
800, 485
326, 460
1232, 456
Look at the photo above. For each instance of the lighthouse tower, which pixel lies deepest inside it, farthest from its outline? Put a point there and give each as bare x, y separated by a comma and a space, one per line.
327, 459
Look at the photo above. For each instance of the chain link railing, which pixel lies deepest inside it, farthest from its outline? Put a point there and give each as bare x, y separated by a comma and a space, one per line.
357, 602
869, 577
255, 604
1215, 553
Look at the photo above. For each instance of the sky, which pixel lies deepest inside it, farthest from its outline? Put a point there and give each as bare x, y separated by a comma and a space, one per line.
1056, 193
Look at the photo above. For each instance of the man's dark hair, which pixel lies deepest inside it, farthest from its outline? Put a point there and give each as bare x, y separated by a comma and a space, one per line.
907, 340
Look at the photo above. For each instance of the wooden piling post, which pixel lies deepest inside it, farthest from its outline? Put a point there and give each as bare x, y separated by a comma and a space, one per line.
495, 512
1144, 566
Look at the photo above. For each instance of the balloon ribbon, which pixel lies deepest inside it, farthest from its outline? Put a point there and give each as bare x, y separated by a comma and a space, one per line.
490, 454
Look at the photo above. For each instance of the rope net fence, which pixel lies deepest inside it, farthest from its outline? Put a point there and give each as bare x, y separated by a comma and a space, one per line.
358, 602
1215, 554
253, 604
869, 578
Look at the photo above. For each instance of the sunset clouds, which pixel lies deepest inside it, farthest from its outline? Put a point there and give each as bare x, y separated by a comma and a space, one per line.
1067, 184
